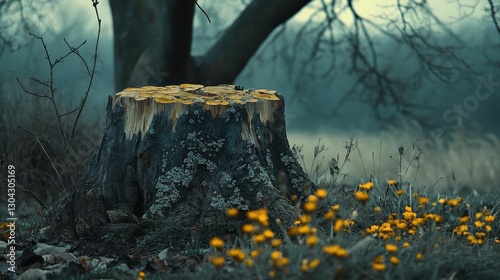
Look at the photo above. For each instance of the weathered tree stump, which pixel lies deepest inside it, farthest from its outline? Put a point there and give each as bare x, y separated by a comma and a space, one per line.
189, 152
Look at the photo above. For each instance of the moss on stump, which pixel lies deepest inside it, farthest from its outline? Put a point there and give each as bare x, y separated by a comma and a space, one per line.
189, 152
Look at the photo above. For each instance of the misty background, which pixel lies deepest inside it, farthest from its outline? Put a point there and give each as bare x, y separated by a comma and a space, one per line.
463, 151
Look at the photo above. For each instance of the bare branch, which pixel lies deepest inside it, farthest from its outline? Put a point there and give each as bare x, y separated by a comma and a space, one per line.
493, 11
201, 9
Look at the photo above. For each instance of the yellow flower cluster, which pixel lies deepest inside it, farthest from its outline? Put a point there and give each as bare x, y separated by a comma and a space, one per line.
336, 251
415, 218
482, 227
378, 263
140, 275
311, 204
363, 192
452, 202
307, 265
394, 227
393, 183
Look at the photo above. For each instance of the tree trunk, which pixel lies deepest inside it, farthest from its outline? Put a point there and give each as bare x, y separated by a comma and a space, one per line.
190, 152
152, 41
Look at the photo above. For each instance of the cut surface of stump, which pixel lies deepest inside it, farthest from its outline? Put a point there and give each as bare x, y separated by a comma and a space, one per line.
190, 152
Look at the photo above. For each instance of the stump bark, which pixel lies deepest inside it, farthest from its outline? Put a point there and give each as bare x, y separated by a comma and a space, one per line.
190, 152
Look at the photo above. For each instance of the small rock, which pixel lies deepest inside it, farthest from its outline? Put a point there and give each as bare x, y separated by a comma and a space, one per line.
33, 274
45, 249
163, 255
48, 259
67, 257
45, 233
119, 216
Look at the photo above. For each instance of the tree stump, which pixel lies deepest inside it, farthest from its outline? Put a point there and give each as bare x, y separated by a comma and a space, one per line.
190, 152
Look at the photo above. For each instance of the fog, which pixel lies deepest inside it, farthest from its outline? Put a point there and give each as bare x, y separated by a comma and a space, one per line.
463, 151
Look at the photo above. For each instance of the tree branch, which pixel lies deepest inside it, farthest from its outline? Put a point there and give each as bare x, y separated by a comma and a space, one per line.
227, 58
493, 15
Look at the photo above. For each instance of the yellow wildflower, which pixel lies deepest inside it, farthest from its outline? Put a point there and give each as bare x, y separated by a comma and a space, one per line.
321, 193
401, 224
418, 221
232, 212
335, 207
218, 261
312, 198
463, 219
217, 242
406, 245
419, 256
378, 263
372, 230
394, 260
308, 265
305, 218
362, 196
461, 230
311, 240
391, 248
281, 263
423, 200
330, 215
452, 202
480, 234
258, 239
366, 186
314, 263
310, 206
303, 230
479, 224
409, 215
268, 234
335, 250
292, 231
489, 218
391, 182
338, 226
276, 242
276, 255
377, 209
255, 253
248, 228
237, 254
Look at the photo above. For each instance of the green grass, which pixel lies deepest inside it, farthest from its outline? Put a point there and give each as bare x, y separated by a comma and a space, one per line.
446, 254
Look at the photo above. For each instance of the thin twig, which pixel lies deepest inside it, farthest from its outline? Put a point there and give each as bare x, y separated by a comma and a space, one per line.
493, 15
199, 7
92, 73
54, 167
